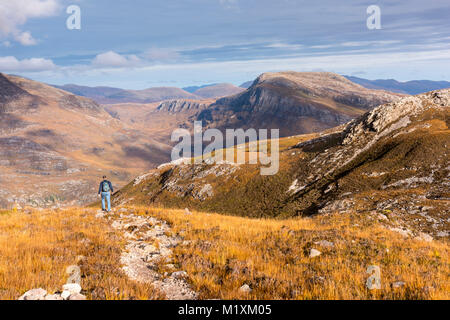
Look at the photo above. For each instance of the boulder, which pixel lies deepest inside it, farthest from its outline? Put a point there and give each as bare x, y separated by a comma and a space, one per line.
314, 253
72, 288
34, 294
65, 295
245, 289
77, 296
53, 297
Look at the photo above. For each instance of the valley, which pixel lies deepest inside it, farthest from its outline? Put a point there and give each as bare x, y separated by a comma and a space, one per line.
55, 145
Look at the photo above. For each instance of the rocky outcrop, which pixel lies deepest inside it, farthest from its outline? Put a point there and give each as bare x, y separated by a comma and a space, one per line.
178, 106
9, 91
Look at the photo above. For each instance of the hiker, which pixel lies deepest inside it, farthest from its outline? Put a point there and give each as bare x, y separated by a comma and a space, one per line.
105, 189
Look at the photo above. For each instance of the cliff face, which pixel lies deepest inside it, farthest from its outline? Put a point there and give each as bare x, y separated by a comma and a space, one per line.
295, 102
179, 106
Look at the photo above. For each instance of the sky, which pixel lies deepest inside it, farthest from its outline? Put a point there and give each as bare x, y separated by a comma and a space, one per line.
137, 44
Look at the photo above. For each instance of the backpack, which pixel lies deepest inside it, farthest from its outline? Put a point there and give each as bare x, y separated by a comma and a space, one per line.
105, 186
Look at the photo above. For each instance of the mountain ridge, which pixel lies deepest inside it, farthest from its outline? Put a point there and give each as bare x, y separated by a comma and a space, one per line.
295, 102
412, 87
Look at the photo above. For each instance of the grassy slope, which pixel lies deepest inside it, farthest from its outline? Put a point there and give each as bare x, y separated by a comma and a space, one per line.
42, 244
222, 253
244, 192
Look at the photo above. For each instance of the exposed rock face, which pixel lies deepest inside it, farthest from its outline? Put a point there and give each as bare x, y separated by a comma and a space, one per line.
9, 91
83, 104
177, 106
295, 103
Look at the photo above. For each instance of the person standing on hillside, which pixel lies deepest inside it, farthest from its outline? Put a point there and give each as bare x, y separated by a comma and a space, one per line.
105, 189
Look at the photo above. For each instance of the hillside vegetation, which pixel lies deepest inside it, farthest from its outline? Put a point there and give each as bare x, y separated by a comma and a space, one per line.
38, 245
393, 161
221, 254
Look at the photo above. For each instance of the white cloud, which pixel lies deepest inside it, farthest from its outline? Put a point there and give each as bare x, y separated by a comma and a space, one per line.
158, 54
12, 64
115, 60
280, 45
15, 13
26, 39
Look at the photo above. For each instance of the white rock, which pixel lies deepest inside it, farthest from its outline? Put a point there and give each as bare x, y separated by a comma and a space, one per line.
72, 288
34, 294
398, 284
77, 296
314, 253
245, 289
53, 297
424, 237
65, 295
325, 243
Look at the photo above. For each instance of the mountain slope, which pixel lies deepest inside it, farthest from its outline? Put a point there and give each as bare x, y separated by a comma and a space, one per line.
379, 165
109, 95
55, 145
295, 102
410, 87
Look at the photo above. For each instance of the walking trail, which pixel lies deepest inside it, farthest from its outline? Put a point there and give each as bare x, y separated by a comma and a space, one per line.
149, 244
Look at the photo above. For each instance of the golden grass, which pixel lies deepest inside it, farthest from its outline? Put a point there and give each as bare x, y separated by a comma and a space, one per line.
272, 256
224, 252
37, 247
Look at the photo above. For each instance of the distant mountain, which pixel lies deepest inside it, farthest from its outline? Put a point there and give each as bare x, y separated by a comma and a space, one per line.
246, 85
192, 89
110, 95
55, 145
218, 90
295, 102
410, 87
150, 95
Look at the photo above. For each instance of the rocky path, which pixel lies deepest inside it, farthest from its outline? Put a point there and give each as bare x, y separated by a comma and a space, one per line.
149, 245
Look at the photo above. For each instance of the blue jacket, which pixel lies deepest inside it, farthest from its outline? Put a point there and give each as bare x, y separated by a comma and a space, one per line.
100, 188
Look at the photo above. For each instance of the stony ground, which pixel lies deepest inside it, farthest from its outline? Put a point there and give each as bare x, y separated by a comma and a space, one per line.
148, 251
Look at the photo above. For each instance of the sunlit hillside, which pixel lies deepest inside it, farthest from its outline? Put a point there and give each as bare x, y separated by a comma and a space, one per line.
221, 254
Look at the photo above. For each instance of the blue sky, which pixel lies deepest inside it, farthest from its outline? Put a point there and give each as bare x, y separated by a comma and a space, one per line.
137, 44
